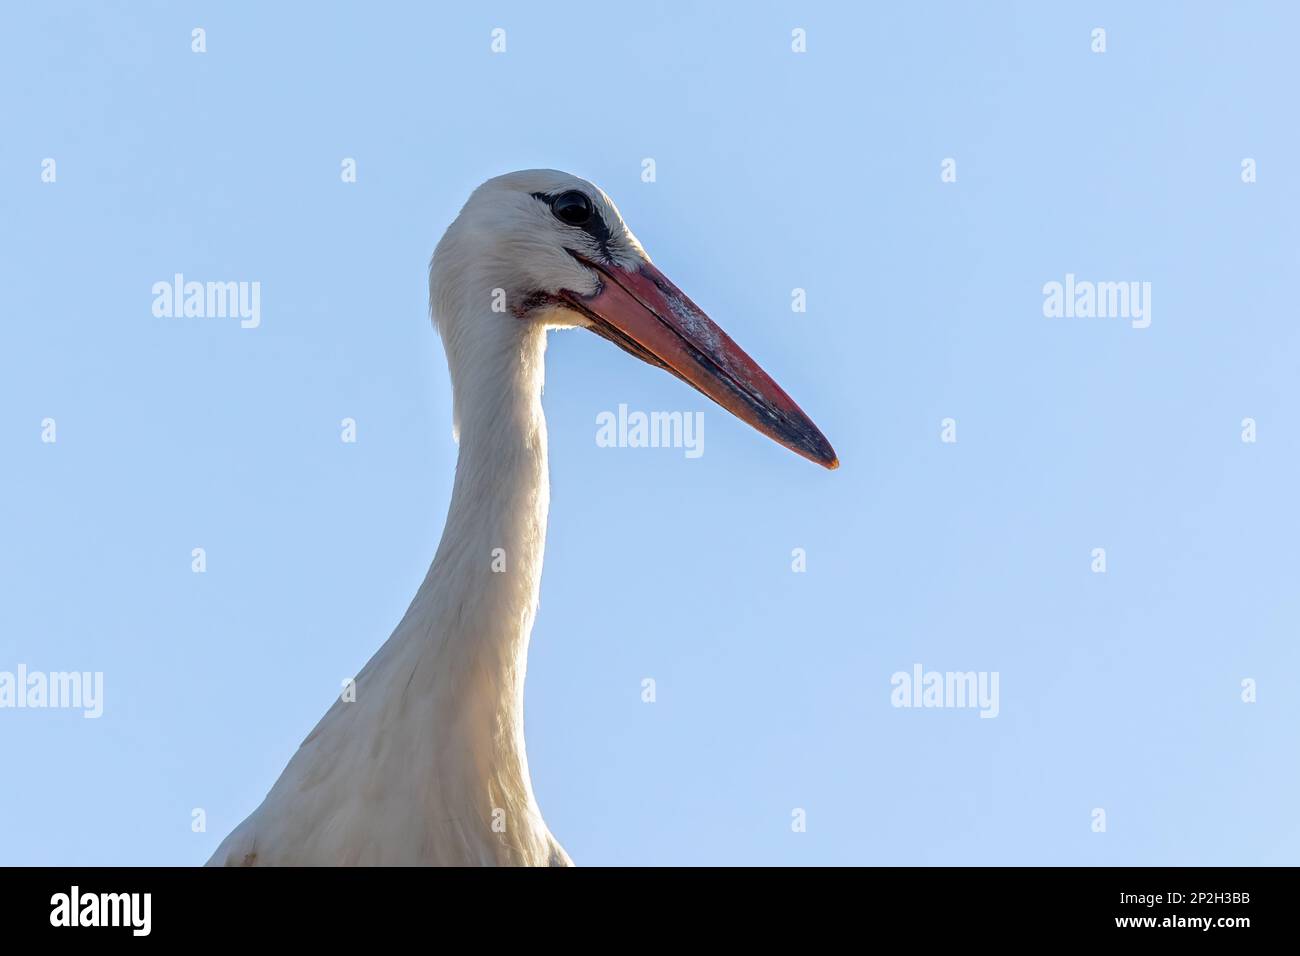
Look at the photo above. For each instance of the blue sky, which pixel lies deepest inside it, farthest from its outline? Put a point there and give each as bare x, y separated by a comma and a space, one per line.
775, 170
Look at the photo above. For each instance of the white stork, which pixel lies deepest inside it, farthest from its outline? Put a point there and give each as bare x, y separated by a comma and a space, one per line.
427, 764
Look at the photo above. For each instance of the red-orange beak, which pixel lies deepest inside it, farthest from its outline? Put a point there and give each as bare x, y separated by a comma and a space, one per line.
645, 314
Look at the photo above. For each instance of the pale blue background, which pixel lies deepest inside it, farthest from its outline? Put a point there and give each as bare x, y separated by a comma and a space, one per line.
774, 171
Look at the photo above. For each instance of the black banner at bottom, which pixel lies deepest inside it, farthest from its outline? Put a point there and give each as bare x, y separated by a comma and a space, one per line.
1175, 905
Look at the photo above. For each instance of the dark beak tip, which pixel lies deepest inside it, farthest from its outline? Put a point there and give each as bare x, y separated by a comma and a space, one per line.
816, 448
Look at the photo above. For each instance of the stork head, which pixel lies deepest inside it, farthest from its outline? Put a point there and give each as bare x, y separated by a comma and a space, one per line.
549, 249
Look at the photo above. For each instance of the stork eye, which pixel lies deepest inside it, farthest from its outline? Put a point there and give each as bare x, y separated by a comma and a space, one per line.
572, 207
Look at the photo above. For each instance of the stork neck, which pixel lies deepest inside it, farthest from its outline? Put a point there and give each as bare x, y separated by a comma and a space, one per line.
501, 493
474, 613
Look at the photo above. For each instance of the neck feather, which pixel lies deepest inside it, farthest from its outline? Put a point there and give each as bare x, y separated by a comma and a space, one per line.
473, 615
426, 765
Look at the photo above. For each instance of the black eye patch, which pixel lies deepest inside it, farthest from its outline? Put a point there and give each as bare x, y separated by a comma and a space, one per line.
574, 208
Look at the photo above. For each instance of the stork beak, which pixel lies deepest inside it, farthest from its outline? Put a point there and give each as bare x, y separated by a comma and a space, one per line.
642, 312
